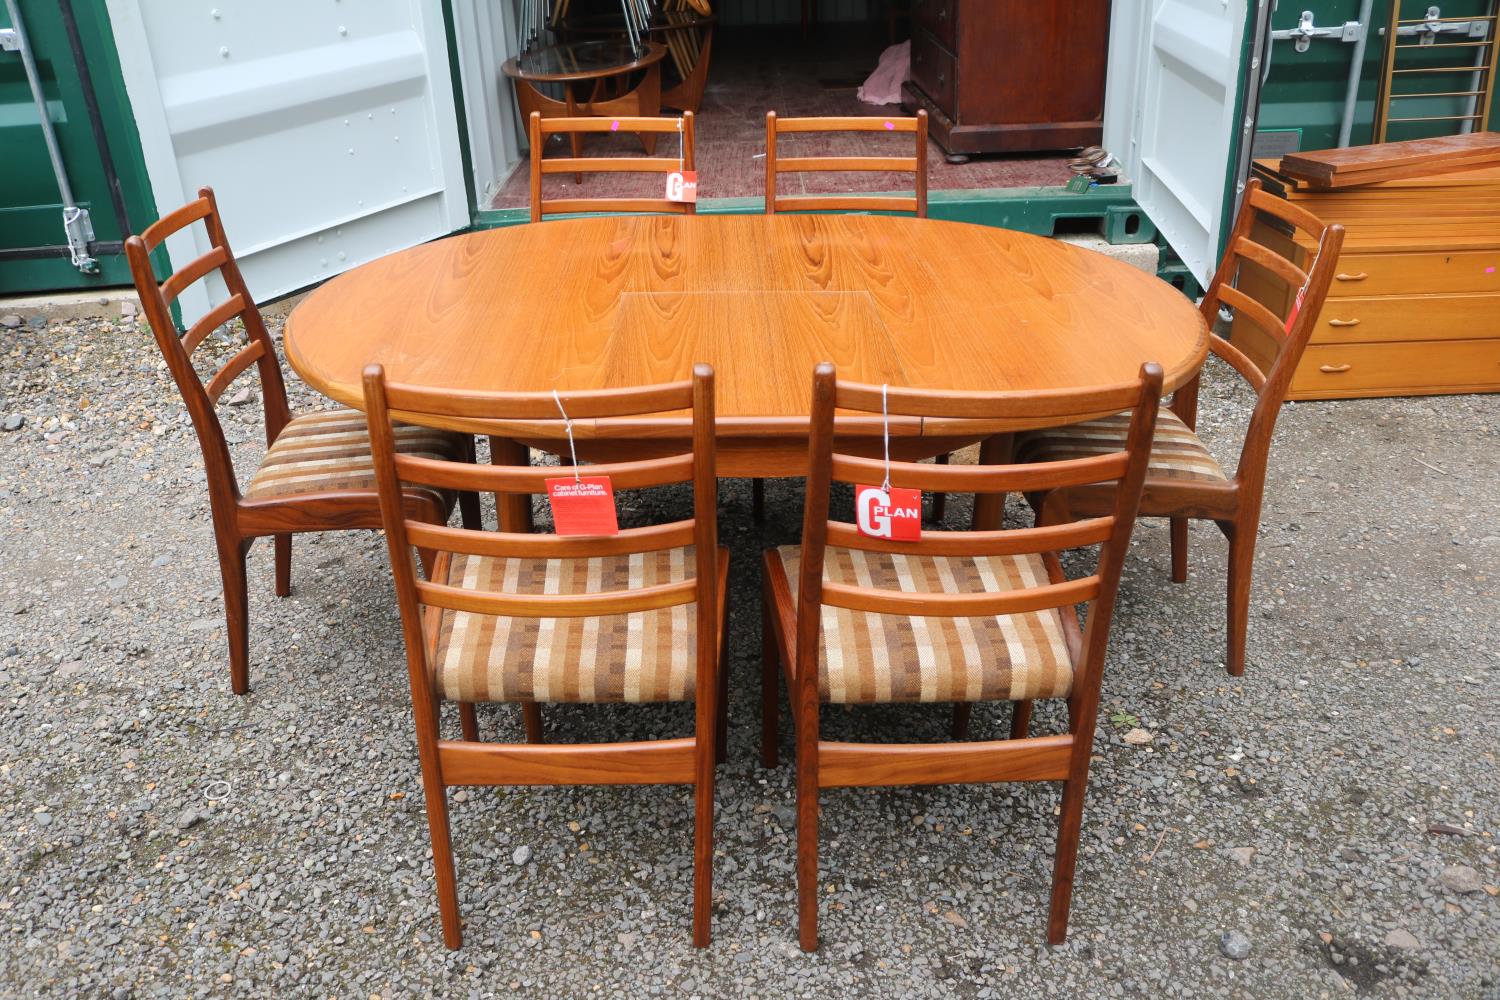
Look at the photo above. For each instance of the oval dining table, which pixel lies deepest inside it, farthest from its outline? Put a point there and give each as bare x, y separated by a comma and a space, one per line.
607, 302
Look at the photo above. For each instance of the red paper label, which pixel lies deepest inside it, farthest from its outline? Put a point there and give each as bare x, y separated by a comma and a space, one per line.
584, 506
682, 185
896, 515
1296, 308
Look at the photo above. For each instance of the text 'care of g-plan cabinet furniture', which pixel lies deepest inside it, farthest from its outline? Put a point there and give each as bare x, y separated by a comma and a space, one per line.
1415, 304
1000, 76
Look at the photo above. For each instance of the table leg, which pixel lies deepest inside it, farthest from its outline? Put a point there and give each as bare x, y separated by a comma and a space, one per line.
989, 508
512, 509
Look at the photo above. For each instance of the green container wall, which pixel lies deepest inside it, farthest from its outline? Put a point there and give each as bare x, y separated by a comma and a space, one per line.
30, 209
1305, 90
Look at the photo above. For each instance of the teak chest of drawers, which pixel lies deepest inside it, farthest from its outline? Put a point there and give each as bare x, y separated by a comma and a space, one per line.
1415, 306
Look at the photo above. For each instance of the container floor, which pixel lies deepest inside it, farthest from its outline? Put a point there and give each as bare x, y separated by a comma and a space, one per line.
755, 70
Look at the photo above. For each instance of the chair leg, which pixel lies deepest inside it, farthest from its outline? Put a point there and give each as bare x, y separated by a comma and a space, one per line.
807, 834
721, 723
703, 847
1020, 719
961, 712
442, 859
758, 500
236, 611
531, 713
770, 684
1066, 858
1179, 549
283, 565
1241, 564
469, 721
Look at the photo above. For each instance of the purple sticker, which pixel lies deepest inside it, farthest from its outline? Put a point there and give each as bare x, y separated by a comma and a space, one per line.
1489, 270
890, 126
614, 126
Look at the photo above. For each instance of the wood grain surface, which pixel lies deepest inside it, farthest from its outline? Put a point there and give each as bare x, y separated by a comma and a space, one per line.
608, 302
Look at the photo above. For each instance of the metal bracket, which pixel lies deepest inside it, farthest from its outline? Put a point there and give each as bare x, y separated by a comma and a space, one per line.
1428, 32
9, 40
1306, 30
80, 230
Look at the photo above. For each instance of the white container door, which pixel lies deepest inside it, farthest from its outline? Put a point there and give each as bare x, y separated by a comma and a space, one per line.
1175, 70
327, 130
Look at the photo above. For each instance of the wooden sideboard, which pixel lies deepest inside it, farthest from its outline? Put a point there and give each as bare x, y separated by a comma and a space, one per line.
1415, 305
1000, 76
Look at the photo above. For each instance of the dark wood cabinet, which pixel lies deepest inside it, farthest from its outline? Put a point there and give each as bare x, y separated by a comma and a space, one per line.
1000, 76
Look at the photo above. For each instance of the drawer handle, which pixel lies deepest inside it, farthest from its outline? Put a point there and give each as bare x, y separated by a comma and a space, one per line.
1343, 322
1361, 276
1334, 369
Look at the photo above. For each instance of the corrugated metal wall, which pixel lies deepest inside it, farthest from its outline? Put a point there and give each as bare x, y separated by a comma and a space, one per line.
732, 12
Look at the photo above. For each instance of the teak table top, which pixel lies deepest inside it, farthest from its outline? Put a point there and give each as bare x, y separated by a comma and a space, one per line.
627, 300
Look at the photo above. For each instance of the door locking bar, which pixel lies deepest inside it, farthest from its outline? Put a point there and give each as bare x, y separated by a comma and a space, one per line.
77, 226
1426, 33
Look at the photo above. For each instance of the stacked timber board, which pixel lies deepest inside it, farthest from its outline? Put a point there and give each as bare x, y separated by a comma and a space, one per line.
1415, 304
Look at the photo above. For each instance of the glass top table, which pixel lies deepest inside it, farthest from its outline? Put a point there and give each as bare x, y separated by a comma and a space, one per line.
583, 60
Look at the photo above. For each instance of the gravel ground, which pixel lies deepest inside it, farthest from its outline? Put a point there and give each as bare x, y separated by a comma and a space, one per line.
1323, 827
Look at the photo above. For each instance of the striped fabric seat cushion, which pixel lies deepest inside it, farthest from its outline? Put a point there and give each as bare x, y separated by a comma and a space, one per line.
330, 450
1176, 453
869, 658
645, 656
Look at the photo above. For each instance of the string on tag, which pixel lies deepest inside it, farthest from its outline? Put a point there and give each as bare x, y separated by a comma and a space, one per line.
885, 415
568, 426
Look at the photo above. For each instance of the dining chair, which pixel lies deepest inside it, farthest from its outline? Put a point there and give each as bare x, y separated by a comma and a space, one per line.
317, 473
777, 165
953, 616
1185, 481
685, 160
633, 617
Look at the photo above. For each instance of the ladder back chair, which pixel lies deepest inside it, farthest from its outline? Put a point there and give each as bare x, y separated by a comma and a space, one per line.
777, 165
317, 474
541, 167
1185, 481
635, 617
956, 616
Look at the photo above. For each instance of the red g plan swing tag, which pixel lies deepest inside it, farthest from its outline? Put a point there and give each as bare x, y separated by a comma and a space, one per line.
896, 515
682, 186
1296, 308
583, 506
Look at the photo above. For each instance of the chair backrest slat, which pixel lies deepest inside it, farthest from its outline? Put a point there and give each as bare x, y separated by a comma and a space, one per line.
978, 478
976, 605
1124, 470
776, 164
615, 602
541, 128
259, 350
1271, 324
210, 321
503, 479
507, 544
1014, 542
233, 369
195, 269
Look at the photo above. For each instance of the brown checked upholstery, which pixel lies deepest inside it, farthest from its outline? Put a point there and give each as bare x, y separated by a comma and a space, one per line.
885, 658
645, 656
1176, 452
330, 450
